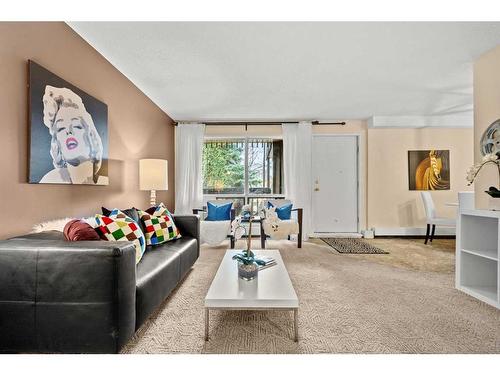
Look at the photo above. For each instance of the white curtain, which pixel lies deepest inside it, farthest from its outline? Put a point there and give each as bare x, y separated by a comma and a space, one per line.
188, 167
297, 163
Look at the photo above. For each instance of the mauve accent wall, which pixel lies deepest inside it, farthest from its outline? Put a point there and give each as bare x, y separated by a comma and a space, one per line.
137, 128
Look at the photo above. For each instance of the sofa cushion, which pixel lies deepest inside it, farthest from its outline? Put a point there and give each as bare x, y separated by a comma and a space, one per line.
157, 275
160, 271
187, 248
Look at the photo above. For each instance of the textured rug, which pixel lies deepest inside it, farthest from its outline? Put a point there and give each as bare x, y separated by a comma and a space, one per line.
352, 246
348, 304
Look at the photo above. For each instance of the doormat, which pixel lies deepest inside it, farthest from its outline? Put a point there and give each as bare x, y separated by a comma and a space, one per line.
353, 246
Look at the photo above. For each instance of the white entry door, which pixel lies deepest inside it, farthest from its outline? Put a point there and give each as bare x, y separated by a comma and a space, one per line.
335, 183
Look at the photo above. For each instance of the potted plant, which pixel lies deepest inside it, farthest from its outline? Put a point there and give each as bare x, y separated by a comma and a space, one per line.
473, 172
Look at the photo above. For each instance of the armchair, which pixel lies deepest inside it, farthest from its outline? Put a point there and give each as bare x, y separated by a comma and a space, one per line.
294, 225
204, 211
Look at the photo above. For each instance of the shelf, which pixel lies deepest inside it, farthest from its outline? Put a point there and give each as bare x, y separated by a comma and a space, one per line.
482, 213
488, 254
488, 292
479, 235
478, 255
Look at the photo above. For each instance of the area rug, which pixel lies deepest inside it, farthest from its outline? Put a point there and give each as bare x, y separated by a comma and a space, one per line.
353, 246
347, 304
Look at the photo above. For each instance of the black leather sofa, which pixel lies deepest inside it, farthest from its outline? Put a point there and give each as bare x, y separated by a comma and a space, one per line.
85, 297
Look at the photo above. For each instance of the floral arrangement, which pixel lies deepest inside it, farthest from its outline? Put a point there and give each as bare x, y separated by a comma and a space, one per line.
473, 171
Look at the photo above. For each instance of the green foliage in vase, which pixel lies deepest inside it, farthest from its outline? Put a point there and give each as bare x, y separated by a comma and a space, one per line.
248, 257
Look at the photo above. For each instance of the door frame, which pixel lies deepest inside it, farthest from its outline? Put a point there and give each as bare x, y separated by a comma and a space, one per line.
360, 175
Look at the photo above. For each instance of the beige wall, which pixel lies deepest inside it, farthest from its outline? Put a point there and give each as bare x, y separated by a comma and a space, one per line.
486, 110
137, 128
390, 203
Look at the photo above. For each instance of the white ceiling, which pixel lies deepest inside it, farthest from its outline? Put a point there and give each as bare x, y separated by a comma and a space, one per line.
297, 71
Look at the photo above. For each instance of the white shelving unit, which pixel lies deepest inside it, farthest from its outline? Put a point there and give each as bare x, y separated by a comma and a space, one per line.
477, 255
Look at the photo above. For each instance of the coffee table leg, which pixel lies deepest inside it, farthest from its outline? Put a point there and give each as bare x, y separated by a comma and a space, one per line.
207, 320
296, 324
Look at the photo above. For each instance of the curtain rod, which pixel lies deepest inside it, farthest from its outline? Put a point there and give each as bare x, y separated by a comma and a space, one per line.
247, 123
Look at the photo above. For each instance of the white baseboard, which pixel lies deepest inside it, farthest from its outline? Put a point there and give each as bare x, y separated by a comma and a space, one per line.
412, 231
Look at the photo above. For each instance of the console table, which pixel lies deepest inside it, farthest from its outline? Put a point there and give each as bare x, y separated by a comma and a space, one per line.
477, 270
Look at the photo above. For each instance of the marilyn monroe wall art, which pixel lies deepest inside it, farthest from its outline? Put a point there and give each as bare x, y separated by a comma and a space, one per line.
69, 132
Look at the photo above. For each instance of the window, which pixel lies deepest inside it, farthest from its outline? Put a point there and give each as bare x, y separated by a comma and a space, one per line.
246, 170
264, 166
238, 203
224, 167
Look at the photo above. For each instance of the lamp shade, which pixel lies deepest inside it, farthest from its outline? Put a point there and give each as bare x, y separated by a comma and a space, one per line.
153, 174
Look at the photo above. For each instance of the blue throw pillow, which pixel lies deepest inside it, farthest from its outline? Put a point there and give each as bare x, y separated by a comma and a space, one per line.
219, 213
284, 212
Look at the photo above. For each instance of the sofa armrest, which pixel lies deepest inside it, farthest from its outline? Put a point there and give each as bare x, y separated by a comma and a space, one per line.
189, 225
71, 297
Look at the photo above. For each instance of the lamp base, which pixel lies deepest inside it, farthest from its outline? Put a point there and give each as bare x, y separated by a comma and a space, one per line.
152, 199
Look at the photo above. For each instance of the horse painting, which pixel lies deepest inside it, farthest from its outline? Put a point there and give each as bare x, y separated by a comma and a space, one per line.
429, 170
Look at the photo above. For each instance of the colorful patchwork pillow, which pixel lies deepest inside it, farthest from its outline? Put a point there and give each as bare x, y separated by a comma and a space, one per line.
162, 210
119, 227
159, 225
130, 212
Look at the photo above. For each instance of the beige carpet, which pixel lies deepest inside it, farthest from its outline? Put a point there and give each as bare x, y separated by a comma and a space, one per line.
411, 253
403, 302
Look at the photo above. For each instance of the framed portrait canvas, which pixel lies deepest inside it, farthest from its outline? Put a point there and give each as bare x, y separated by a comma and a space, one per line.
429, 169
68, 132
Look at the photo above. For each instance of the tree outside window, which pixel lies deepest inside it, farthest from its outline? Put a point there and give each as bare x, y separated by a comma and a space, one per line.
224, 166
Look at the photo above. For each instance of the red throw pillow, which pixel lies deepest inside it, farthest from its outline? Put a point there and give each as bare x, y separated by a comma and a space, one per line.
79, 230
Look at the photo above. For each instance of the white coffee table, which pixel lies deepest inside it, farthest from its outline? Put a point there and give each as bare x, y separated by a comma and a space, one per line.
271, 290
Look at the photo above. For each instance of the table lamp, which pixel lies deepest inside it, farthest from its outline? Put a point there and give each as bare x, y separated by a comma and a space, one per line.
153, 175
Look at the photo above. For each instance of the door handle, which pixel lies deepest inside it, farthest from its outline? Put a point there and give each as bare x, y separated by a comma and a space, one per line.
316, 187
